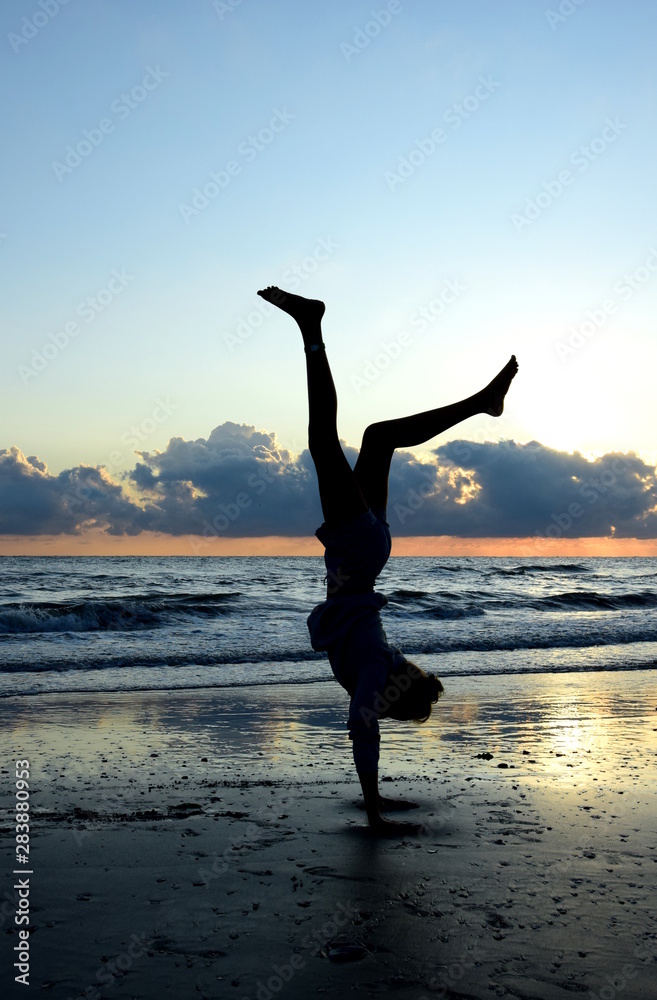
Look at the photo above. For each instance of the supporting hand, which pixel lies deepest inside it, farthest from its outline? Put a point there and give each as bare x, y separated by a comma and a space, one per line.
394, 805
374, 803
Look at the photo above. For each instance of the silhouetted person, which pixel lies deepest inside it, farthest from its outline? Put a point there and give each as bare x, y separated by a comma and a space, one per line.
347, 625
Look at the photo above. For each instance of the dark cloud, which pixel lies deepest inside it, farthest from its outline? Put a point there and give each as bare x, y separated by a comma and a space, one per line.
241, 482
34, 502
517, 490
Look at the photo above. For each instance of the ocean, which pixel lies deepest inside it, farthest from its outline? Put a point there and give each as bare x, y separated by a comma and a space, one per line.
144, 623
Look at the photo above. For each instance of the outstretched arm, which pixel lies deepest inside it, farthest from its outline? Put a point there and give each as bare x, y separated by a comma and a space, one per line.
369, 648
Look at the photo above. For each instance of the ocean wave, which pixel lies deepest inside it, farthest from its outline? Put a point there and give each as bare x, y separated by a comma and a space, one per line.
414, 633
441, 568
439, 604
143, 659
537, 568
443, 613
483, 641
592, 601
403, 595
112, 613
180, 682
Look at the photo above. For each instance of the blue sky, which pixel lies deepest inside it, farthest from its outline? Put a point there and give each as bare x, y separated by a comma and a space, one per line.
537, 205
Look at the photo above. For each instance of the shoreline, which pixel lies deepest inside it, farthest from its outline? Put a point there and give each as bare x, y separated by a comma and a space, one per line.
532, 664
195, 842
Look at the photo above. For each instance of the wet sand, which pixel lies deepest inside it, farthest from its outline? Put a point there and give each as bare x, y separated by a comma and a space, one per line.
210, 844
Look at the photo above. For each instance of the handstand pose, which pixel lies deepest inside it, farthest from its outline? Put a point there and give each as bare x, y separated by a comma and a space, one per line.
356, 536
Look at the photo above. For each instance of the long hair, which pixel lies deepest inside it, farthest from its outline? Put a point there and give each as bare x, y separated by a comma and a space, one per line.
410, 692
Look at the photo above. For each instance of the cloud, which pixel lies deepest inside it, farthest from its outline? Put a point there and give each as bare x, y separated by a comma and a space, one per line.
505, 489
34, 502
240, 482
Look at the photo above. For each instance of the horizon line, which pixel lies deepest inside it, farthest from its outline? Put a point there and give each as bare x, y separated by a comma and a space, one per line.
99, 543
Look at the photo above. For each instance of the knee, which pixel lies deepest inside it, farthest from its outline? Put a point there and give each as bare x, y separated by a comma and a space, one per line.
377, 436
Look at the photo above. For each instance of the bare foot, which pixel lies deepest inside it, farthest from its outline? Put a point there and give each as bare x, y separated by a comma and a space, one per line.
307, 312
494, 393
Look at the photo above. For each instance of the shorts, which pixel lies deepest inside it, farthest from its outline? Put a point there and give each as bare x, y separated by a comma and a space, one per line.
356, 552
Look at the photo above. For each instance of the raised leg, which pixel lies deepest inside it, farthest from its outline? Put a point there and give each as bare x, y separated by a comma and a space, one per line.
381, 439
339, 491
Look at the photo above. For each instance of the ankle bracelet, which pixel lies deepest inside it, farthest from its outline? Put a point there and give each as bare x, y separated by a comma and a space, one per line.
311, 348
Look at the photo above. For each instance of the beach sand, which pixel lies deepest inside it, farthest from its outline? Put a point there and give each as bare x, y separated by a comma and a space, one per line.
209, 844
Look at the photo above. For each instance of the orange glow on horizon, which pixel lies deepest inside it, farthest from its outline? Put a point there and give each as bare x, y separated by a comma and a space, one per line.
98, 543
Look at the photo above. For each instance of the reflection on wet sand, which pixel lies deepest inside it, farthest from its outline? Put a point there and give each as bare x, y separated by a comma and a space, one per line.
224, 826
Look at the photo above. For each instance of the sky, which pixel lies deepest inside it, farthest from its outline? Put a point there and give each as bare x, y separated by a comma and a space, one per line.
458, 182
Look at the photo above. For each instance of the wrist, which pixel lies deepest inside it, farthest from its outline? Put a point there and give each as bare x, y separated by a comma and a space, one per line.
370, 785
